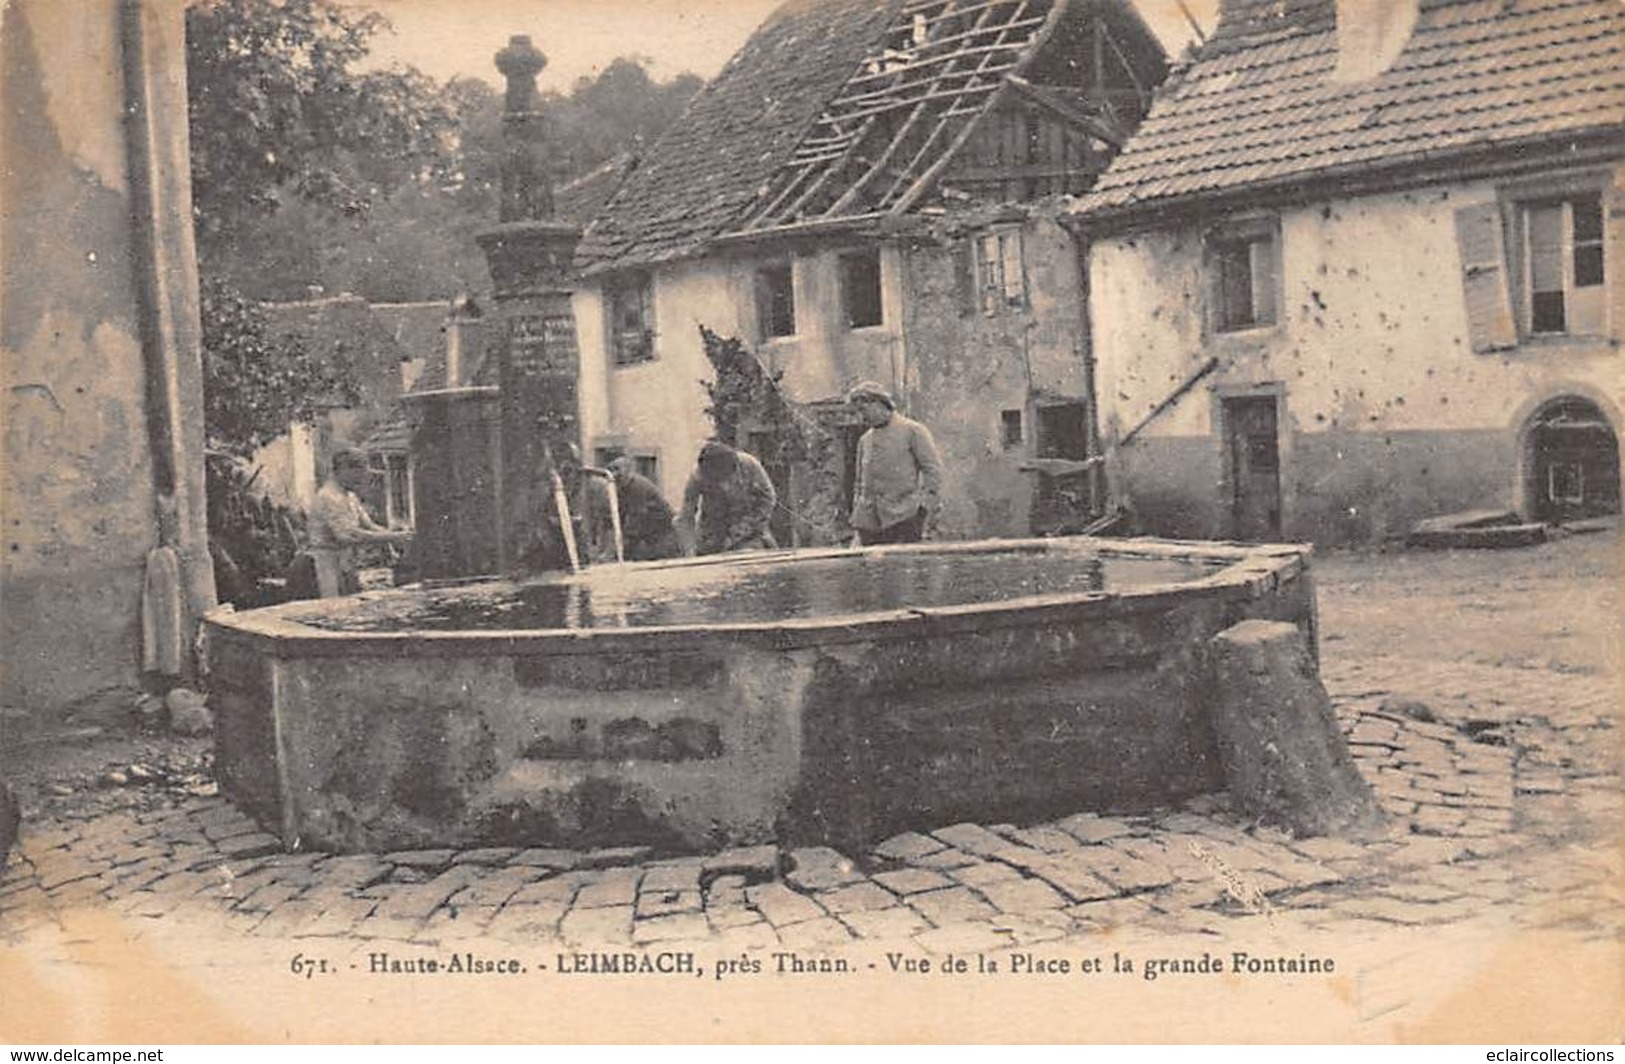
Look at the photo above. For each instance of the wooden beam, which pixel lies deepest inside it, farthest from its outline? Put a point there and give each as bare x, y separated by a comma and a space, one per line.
1082, 120
1036, 45
1096, 31
1140, 91
876, 94
918, 102
830, 171
946, 56
945, 94
923, 182
982, 175
772, 206
847, 198
1173, 397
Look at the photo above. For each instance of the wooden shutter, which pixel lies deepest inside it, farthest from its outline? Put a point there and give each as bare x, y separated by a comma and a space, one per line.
1015, 275
764, 305
1490, 326
965, 275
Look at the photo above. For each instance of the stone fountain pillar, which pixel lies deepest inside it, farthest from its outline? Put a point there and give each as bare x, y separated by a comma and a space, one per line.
481, 448
534, 334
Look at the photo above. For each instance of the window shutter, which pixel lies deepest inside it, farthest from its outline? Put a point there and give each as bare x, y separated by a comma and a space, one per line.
1015, 289
764, 306
1484, 278
1613, 253
965, 276
1261, 259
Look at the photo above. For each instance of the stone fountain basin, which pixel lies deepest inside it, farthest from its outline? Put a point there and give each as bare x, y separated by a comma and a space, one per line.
833, 696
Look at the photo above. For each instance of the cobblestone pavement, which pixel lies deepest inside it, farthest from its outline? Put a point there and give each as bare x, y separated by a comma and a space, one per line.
1495, 759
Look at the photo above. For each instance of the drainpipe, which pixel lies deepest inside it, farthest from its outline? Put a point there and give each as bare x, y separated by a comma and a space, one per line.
180, 578
1098, 487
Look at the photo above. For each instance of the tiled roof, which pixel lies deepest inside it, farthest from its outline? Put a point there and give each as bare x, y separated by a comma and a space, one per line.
581, 200
735, 132
1258, 107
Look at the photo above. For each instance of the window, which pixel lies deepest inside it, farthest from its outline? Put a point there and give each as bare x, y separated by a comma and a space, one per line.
631, 319
860, 289
776, 300
1063, 431
1000, 276
1010, 426
394, 472
1563, 265
1243, 277
644, 463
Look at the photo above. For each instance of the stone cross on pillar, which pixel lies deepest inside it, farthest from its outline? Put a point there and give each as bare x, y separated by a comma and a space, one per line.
527, 195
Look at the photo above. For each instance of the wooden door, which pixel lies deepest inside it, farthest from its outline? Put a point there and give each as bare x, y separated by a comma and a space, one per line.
1253, 446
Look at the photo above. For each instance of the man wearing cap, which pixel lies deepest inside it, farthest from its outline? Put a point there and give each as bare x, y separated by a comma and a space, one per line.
728, 503
338, 525
899, 476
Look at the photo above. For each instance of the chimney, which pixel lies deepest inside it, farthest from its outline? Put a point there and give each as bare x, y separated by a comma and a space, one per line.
1370, 36
462, 341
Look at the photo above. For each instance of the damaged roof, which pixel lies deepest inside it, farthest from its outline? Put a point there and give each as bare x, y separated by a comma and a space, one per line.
1259, 107
838, 110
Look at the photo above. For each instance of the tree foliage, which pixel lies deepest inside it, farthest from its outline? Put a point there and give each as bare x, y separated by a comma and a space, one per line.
279, 107
254, 383
379, 190
622, 109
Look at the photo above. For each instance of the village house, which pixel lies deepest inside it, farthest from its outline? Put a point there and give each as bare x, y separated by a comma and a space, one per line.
1362, 264
387, 349
871, 191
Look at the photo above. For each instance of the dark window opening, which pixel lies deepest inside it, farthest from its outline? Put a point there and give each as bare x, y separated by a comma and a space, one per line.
631, 319
776, 300
1010, 425
646, 465
860, 289
1245, 283
1063, 432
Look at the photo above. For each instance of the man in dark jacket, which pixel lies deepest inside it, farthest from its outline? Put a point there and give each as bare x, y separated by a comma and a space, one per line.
729, 502
648, 529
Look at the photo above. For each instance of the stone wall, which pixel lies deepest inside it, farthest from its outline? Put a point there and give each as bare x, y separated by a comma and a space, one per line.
98, 324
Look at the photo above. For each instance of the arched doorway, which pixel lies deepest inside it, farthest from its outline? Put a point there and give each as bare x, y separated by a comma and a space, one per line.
1571, 459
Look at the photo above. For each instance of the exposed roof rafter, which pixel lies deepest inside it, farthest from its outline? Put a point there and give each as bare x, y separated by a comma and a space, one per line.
940, 68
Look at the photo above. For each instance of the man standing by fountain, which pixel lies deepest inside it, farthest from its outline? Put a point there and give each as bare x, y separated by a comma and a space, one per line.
898, 486
581, 504
339, 525
648, 525
728, 503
